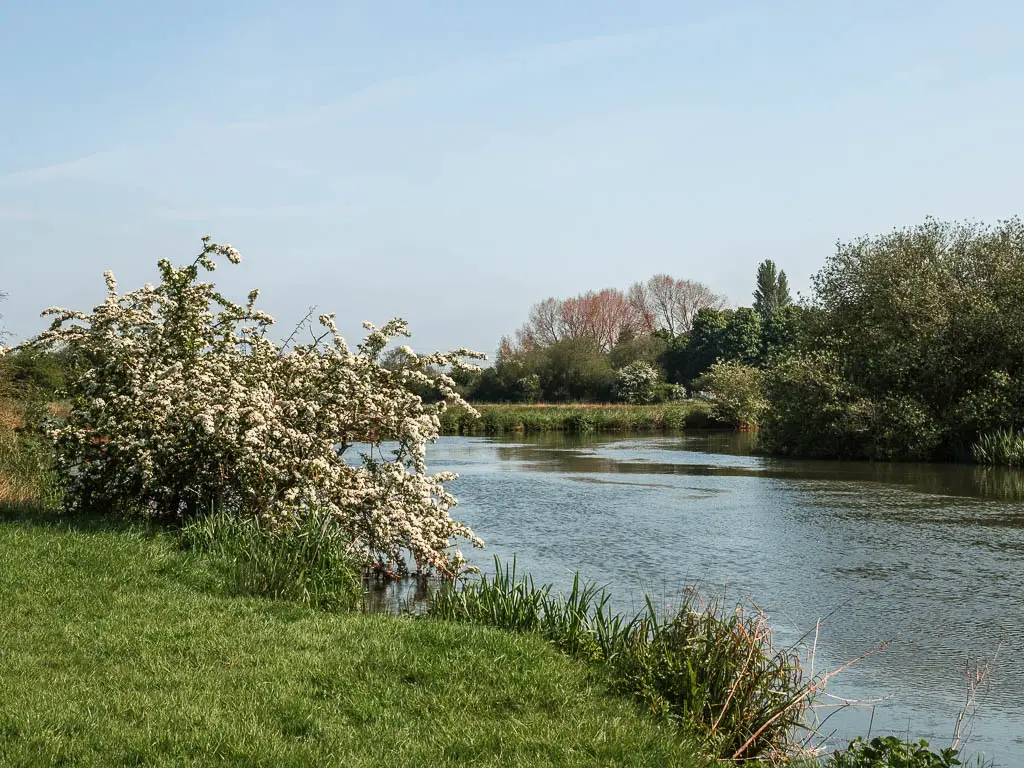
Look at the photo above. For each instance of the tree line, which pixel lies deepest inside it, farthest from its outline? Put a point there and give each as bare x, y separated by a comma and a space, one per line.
910, 346
649, 343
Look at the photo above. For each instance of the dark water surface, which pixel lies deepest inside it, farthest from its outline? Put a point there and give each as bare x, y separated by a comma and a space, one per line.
928, 556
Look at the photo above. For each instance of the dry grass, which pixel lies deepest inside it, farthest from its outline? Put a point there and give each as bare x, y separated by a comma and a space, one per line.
11, 417
24, 467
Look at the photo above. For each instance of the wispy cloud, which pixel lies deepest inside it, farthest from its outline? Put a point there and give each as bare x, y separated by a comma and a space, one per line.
160, 163
484, 71
246, 212
78, 167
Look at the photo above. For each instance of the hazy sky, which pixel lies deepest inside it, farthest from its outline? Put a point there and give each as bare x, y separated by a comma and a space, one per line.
454, 162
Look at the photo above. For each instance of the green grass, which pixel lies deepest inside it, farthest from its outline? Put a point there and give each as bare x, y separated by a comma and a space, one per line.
119, 649
498, 418
306, 562
713, 670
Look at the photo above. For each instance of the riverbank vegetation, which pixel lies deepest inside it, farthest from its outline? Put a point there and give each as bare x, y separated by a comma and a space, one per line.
179, 466
714, 672
576, 418
909, 347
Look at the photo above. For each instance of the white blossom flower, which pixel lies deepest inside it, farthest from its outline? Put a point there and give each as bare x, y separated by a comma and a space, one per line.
193, 403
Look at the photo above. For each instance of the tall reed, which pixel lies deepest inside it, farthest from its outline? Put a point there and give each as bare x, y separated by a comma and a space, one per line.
1002, 447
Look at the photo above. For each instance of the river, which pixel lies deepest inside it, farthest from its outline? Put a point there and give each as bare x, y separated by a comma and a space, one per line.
930, 557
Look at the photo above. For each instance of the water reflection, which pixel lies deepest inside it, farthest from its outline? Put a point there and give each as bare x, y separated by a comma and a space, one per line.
929, 556
731, 455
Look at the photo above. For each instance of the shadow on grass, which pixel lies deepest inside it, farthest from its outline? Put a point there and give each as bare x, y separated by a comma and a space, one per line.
35, 514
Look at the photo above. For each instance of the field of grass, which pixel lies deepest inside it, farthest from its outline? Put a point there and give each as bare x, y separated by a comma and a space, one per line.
577, 417
119, 649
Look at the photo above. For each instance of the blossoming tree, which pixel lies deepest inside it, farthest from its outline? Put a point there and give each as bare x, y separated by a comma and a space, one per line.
186, 404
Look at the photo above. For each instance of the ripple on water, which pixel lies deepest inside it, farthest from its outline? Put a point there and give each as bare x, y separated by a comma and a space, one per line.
928, 556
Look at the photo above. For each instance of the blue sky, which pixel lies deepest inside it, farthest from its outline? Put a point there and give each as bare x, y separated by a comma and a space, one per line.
454, 162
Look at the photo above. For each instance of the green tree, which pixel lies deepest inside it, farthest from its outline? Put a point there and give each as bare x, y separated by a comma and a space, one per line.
693, 354
740, 340
784, 332
772, 292
575, 369
924, 331
646, 348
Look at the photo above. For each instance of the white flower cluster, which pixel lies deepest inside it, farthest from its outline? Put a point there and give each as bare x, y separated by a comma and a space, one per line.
187, 404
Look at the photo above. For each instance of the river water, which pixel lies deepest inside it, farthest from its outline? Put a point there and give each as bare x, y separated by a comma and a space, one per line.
930, 557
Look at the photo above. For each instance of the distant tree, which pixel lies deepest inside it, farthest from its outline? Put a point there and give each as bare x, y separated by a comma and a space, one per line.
397, 358
740, 340
666, 303
913, 346
630, 349
772, 292
575, 369
546, 323
784, 331
602, 316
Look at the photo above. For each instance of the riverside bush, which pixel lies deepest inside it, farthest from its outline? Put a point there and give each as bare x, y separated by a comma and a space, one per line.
637, 383
736, 396
715, 672
892, 752
186, 404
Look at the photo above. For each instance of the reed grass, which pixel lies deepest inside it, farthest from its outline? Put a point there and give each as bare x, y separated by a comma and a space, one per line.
26, 466
714, 671
1004, 447
577, 418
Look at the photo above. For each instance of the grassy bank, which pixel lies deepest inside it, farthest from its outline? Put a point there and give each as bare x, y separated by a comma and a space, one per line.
499, 418
119, 649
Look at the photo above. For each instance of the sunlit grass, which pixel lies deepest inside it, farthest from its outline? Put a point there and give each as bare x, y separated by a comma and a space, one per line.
713, 671
118, 651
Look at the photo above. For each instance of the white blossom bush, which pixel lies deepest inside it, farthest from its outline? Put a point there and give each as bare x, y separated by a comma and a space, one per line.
637, 383
188, 405
737, 395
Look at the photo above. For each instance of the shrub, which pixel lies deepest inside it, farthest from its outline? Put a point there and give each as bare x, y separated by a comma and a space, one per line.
673, 393
188, 404
892, 752
735, 391
637, 383
902, 429
309, 561
580, 421
813, 410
